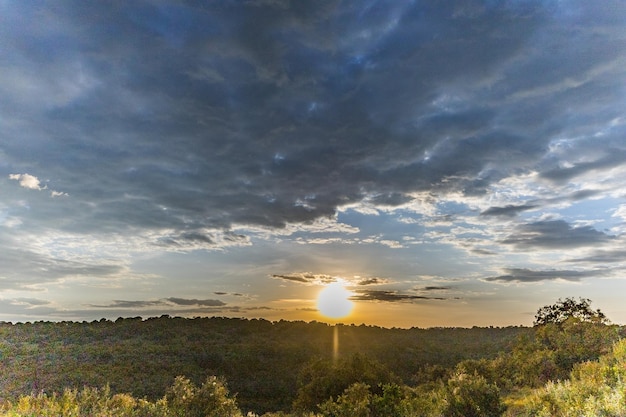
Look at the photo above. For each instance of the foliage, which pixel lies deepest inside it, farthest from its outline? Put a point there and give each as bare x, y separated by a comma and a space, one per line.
276, 366
323, 379
595, 389
88, 402
354, 402
470, 396
358, 401
548, 353
261, 360
569, 308
183, 399
209, 400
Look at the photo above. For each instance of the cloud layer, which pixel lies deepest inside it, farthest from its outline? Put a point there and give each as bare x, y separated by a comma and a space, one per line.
407, 139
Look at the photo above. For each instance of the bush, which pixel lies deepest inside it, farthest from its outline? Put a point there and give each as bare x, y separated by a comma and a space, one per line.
210, 400
467, 395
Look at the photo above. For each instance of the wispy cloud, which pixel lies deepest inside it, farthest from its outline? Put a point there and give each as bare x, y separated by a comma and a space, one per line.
306, 278
522, 275
556, 234
194, 302
388, 296
510, 210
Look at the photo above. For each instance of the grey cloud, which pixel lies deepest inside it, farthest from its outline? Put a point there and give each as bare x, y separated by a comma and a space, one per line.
238, 113
555, 234
613, 158
32, 301
527, 275
482, 252
434, 288
372, 281
510, 210
130, 304
23, 268
306, 277
296, 278
26, 307
234, 294
194, 302
140, 304
390, 199
609, 256
388, 296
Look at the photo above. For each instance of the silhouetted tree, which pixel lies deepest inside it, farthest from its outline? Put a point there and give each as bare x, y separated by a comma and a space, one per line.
564, 309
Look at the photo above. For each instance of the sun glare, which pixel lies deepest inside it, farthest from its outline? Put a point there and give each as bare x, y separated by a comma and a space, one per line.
334, 301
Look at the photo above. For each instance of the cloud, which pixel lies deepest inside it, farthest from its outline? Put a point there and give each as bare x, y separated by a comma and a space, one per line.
554, 234
523, 275
346, 128
25, 269
613, 158
372, 281
206, 239
296, 278
27, 307
33, 183
28, 181
510, 210
434, 288
388, 296
32, 301
282, 129
194, 302
136, 304
602, 257
166, 302
323, 279
306, 278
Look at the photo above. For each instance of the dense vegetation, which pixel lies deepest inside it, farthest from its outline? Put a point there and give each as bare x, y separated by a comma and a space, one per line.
218, 366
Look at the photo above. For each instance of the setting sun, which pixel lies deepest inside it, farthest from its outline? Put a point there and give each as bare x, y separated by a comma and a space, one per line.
334, 301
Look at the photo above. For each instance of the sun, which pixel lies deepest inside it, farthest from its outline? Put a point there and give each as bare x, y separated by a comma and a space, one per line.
334, 301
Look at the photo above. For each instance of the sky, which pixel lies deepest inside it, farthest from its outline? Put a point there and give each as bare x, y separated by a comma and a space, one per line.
450, 163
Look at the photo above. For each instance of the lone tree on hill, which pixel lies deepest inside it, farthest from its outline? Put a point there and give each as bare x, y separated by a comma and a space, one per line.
569, 308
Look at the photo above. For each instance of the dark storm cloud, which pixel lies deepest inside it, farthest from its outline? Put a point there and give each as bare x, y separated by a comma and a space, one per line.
522, 275
189, 117
388, 296
555, 234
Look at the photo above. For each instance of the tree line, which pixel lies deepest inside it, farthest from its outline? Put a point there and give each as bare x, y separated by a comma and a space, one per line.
134, 367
